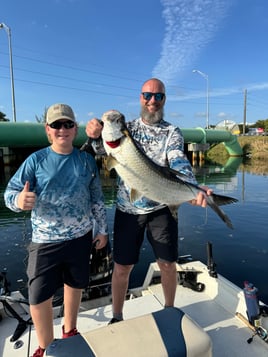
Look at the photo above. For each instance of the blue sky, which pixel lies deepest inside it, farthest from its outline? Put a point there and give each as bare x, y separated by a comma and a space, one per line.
95, 55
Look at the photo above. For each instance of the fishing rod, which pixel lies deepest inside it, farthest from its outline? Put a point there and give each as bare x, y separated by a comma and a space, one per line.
87, 146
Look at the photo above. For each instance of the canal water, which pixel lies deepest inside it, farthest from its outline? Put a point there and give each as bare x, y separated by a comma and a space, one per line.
240, 254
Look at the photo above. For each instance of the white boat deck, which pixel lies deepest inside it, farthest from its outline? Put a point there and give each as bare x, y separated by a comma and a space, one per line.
214, 310
228, 333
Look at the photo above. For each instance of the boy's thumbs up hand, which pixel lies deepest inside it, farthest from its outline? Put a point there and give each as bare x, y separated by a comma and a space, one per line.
26, 187
26, 198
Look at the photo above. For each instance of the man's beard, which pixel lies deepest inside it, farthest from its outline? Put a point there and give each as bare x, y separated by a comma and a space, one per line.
152, 118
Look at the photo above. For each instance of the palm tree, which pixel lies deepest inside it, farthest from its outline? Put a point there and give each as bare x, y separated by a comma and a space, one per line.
3, 117
42, 119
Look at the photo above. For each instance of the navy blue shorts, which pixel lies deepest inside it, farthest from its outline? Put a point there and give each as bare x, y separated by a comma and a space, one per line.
51, 265
129, 229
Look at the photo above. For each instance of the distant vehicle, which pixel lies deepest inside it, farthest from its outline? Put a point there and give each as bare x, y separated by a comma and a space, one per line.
255, 131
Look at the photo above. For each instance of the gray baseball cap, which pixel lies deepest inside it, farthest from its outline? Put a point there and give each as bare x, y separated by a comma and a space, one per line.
59, 111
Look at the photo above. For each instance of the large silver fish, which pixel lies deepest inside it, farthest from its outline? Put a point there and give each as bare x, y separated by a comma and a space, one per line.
143, 176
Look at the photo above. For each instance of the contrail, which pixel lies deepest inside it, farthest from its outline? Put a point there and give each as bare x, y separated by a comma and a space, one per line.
221, 92
190, 26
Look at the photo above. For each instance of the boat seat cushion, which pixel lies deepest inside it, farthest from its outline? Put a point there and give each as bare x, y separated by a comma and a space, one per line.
168, 332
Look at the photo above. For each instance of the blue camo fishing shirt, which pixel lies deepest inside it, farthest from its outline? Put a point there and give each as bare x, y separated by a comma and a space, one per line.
164, 144
68, 191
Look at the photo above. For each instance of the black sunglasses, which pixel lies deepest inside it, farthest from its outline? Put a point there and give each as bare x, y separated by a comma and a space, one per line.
59, 124
157, 96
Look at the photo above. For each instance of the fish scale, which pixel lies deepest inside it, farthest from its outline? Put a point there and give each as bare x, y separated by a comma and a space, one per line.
144, 177
130, 166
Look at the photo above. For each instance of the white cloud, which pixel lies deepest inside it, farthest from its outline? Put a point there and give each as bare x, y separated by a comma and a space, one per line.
200, 115
190, 25
175, 115
222, 115
220, 92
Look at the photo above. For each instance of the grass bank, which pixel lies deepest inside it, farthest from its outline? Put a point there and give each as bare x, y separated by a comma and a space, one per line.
255, 153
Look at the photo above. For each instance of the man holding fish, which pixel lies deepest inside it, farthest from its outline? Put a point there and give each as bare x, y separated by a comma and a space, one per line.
135, 213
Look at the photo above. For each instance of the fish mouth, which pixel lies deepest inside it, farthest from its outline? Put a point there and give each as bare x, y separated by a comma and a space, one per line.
113, 144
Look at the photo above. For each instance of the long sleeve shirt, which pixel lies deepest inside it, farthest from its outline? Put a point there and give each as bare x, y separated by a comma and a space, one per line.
69, 198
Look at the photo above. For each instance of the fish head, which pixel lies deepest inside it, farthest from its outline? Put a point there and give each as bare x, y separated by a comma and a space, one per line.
114, 125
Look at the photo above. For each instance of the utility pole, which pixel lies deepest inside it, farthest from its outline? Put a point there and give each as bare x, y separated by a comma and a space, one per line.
204, 75
245, 112
8, 31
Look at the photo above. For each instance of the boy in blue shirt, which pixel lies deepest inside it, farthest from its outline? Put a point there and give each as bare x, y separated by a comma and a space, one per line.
61, 187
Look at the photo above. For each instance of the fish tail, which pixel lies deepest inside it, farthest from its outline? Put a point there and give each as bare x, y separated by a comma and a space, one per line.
222, 200
212, 203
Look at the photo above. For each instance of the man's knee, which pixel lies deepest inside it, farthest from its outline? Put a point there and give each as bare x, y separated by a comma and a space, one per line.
169, 267
121, 271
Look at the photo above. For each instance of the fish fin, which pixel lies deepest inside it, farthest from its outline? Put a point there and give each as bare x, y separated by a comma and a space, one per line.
179, 174
134, 195
222, 200
212, 204
174, 212
111, 162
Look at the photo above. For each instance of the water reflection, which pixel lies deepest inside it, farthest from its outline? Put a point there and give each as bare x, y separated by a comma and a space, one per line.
213, 174
240, 254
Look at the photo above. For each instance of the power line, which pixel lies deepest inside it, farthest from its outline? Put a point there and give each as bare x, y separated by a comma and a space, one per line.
72, 79
76, 68
70, 88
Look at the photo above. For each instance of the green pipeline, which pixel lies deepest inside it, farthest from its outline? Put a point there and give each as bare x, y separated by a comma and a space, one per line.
21, 135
